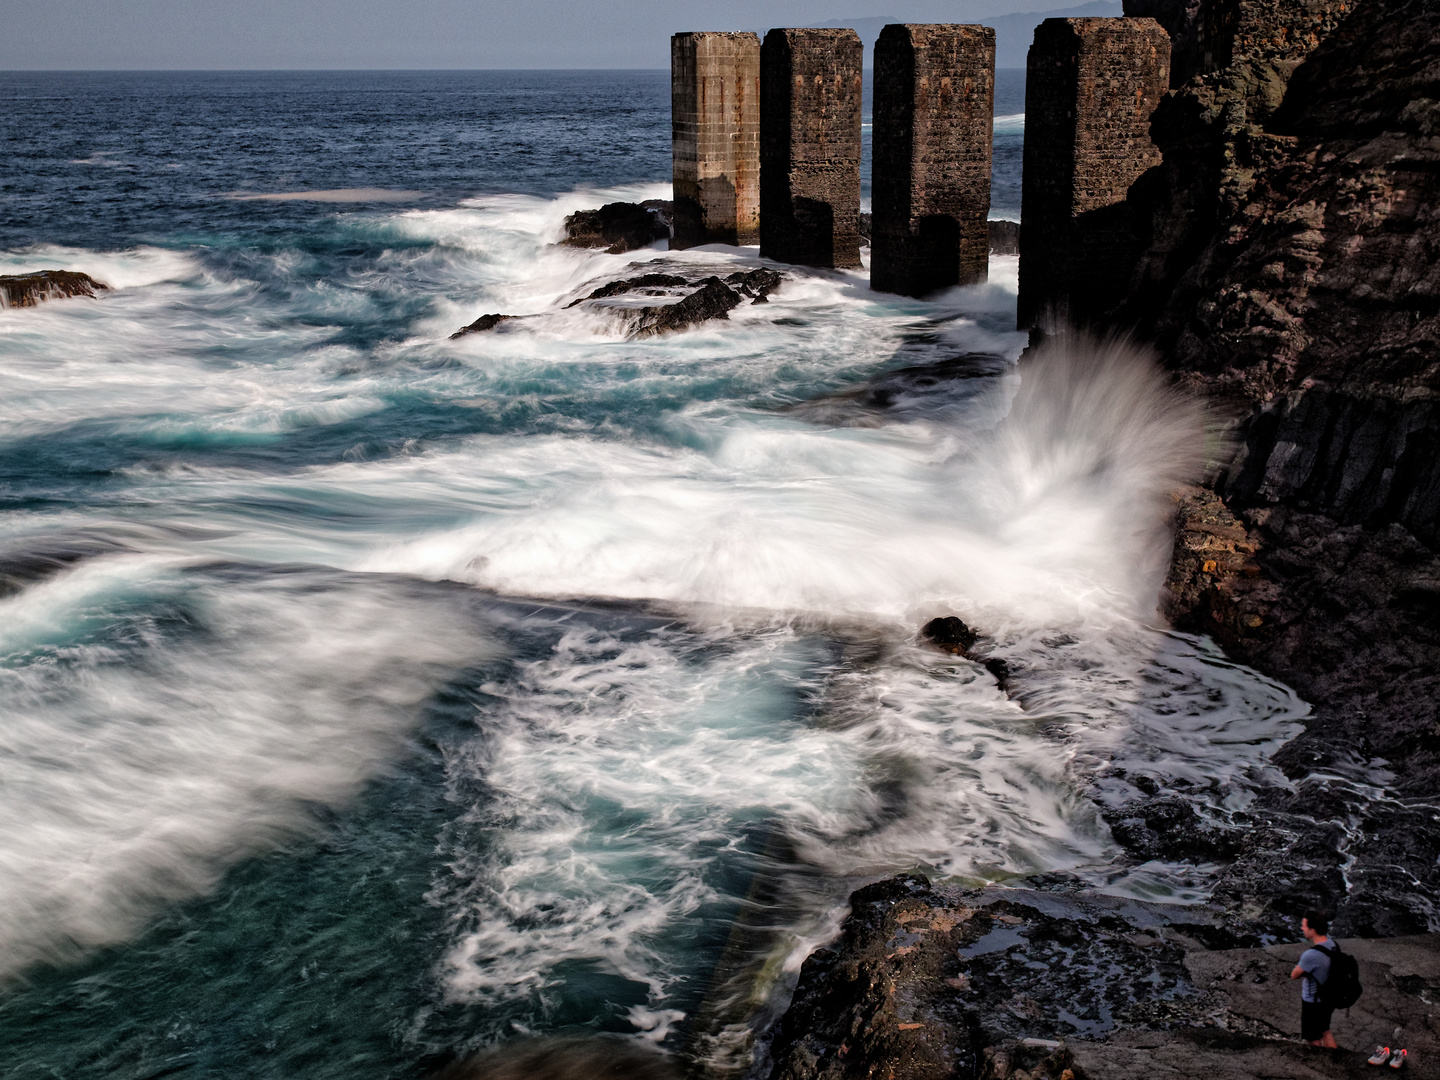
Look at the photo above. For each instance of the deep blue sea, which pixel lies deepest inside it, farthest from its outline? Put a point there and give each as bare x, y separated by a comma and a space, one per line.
368, 698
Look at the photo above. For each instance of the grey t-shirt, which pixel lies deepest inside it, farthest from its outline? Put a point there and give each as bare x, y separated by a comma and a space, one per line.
1316, 966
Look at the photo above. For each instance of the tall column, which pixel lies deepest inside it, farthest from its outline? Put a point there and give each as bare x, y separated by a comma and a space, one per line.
930, 181
715, 138
1091, 85
810, 147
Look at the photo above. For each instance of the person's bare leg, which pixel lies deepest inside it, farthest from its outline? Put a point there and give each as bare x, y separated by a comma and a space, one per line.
1327, 1040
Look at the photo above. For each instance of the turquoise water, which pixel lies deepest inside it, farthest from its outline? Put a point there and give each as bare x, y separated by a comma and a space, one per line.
367, 698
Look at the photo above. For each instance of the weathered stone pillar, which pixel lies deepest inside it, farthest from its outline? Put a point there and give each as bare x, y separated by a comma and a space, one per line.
934, 115
1091, 85
810, 147
715, 133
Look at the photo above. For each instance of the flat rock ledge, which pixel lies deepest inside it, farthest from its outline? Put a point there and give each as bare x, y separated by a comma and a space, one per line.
929, 981
27, 290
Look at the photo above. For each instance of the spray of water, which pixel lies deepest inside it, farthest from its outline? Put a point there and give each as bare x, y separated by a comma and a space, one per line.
752, 697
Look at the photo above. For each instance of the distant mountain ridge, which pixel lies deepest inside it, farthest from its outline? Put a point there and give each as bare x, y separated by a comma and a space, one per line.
1013, 33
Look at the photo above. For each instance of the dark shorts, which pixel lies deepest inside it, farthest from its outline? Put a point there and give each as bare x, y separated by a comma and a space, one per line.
1314, 1020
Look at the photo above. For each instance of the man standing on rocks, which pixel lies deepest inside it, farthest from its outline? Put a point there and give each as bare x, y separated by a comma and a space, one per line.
1314, 968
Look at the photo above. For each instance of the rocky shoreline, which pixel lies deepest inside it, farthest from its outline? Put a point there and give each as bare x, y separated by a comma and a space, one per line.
1289, 278
27, 290
930, 981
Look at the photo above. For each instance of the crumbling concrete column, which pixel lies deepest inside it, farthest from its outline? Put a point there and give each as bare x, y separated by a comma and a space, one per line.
810, 147
1091, 85
934, 115
715, 133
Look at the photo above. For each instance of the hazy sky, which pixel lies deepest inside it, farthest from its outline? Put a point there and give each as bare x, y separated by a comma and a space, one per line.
88, 34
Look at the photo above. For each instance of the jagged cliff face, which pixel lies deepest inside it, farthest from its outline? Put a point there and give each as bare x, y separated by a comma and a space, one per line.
1230, 63
1294, 271
1296, 284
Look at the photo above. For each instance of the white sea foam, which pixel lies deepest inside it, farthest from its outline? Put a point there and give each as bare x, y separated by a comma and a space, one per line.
140, 763
119, 270
794, 559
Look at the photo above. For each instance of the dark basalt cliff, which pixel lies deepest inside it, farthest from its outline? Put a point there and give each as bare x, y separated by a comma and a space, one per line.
1291, 277
1309, 317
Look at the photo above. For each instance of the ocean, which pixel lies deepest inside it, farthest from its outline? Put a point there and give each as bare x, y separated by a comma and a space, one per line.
368, 698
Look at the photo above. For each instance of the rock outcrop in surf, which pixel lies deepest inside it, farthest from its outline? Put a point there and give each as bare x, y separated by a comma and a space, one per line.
1290, 275
619, 227
27, 290
683, 301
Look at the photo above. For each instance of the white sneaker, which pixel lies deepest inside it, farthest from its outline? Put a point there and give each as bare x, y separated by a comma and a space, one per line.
1397, 1059
1380, 1057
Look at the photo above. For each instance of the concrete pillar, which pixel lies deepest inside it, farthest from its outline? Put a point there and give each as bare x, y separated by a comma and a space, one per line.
715, 133
810, 147
1091, 85
930, 182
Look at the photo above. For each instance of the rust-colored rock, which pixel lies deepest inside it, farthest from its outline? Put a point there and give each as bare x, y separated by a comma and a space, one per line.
934, 113
715, 138
27, 290
1212, 563
1091, 86
810, 147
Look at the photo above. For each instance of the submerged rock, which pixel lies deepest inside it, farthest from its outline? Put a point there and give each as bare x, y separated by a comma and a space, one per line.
950, 633
1168, 828
758, 284
619, 227
27, 290
626, 285
482, 324
713, 300
693, 299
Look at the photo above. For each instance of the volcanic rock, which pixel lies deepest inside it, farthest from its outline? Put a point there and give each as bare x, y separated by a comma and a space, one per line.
27, 290
1170, 829
482, 324
1292, 279
713, 300
949, 632
757, 284
619, 227
625, 285
693, 300
930, 981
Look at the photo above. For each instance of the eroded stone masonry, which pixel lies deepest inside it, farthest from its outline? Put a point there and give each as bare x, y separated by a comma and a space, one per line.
934, 117
715, 127
1091, 87
810, 147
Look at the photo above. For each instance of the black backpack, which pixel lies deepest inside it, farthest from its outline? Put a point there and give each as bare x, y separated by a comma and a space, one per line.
1341, 987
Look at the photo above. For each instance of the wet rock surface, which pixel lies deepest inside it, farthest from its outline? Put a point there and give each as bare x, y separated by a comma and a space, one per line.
690, 299
483, 324
1291, 278
1349, 618
27, 290
931, 388
619, 227
1014, 984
